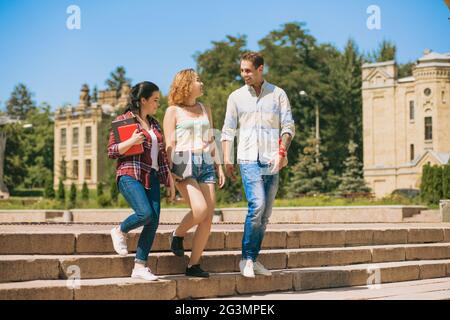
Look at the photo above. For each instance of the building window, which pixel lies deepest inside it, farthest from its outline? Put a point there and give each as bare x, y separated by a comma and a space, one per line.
63, 136
411, 152
428, 128
75, 169
88, 169
88, 135
411, 110
75, 137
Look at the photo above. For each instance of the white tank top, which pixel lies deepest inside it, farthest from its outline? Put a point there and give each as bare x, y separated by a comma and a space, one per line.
154, 151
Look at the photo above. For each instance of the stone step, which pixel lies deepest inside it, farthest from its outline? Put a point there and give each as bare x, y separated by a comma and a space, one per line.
324, 214
433, 289
58, 241
52, 267
227, 284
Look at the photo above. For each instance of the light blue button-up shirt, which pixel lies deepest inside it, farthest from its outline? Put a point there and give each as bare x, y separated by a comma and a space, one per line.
262, 121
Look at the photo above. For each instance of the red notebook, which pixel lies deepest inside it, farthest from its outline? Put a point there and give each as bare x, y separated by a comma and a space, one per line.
125, 132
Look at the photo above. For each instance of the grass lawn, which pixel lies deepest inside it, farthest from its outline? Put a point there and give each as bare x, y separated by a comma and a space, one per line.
92, 203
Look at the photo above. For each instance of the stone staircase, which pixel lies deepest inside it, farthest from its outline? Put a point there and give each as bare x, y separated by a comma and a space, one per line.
78, 262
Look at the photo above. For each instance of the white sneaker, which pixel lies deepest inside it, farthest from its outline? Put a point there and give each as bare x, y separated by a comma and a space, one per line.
119, 242
258, 268
143, 273
246, 267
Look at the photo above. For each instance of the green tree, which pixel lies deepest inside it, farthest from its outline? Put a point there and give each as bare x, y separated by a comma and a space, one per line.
20, 102
99, 189
49, 191
353, 177
308, 175
426, 184
446, 182
39, 145
437, 184
405, 69
116, 79
85, 192
73, 195
341, 114
113, 189
386, 51
61, 196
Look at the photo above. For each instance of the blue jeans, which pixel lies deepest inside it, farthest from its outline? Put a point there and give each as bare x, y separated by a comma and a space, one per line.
146, 205
260, 189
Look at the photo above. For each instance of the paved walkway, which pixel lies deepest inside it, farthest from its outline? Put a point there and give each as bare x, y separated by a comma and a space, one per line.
433, 289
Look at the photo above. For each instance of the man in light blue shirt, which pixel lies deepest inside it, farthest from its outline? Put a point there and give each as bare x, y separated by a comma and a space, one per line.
259, 114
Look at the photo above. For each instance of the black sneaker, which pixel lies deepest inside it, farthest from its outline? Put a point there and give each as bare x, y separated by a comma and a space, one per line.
176, 245
196, 271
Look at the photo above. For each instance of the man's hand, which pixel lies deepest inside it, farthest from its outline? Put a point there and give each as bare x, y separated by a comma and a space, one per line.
230, 171
278, 164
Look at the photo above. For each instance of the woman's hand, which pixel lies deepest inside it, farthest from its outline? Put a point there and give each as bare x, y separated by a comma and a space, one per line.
171, 191
222, 178
137, 137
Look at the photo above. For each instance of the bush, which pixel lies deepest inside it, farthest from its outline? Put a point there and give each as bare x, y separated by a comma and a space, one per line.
446, 182
61, 196
104, 201
73, 195
436, 195
114, 191
99, 189
85, 192
49, 192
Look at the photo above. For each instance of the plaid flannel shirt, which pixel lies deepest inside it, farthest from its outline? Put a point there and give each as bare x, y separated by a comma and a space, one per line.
140, 166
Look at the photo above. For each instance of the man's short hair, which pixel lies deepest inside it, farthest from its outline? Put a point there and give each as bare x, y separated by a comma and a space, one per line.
254, 57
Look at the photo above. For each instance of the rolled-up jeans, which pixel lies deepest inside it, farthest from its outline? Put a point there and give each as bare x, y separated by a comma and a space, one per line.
260, 189
146, 204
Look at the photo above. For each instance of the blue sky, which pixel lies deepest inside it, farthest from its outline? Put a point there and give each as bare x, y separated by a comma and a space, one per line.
155, 39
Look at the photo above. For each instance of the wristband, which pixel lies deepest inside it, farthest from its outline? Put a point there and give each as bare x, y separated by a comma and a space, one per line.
282, 150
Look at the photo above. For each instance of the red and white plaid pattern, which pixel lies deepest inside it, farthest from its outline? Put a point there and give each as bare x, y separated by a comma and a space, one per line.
139, 166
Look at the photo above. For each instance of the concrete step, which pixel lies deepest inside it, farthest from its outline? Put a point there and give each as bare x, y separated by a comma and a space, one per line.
227, 284
18, 240
324, 214
430, 289
53, 267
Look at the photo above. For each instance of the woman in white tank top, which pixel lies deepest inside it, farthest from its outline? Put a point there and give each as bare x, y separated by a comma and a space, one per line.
188, 130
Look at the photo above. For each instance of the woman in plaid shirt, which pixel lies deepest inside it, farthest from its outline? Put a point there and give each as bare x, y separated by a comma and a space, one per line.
139, 176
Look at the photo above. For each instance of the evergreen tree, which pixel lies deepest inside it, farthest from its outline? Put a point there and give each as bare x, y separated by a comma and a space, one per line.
49, 192
20, 102
386, 51
114, 191
446, 182
85, 192
61, 196
425, 185
116, 79
308, 175
73, 195
437, 184
353, 177
99, 189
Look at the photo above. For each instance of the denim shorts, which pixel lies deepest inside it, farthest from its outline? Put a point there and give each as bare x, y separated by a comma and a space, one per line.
203, 169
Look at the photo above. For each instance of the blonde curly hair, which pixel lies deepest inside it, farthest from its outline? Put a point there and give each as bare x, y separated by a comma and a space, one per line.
181, 87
